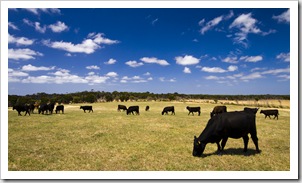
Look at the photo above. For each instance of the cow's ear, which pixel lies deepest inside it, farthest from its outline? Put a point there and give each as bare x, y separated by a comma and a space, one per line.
195, 137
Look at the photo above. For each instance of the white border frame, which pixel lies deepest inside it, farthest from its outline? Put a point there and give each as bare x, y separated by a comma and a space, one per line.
292, 174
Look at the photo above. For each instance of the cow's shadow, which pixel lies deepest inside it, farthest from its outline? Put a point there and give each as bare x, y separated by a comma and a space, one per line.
234, 151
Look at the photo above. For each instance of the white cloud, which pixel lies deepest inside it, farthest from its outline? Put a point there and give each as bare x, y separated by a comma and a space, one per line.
186, 60
154, 60
213, 69
30, 67
163, 79
20, 41
284, 17
251, 58
36, 25
112, 74
93, 67
284, 56
133, 63
276, 71
255, 75
147, 74
246, 25
212, 78
135, 79
154, 21
58, 27
210, 24
284, 77
110, 61
12, 25
22, 54
232, 60
37, 11
87, 46
187, 70
14, 73
232, 68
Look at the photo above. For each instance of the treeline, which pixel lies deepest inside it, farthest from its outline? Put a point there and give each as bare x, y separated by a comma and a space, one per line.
101, 96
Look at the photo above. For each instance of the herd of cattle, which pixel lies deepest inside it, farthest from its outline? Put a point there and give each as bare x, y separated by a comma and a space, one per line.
49, 109
221, 125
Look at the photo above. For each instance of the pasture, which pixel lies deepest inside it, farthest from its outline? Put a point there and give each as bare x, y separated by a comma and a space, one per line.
109, 140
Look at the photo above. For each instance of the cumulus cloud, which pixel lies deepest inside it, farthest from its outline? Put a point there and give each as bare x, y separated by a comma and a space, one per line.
93, 67
22, 54
284, 17
36, 25
154, 60
110, 61
231, 68
134, 79
276, 71
163, 79
251, 58
187, 70
230, 59
284, 56
58, 27
30, 67
20, 41
133, 63
186, 60
112, 74
88, 46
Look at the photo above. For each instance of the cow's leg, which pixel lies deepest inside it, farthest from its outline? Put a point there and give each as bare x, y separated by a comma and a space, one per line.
84, 110
223, 142
198, 113
269, 116
255, 140
218, 148
19, 113
245, 141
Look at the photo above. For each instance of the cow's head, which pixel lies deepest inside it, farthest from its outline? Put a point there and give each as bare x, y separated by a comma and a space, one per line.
198, 147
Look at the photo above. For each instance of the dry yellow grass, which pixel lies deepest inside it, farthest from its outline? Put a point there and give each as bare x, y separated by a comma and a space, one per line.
111, 140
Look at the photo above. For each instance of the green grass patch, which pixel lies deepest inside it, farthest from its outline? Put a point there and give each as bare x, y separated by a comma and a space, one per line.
110, 140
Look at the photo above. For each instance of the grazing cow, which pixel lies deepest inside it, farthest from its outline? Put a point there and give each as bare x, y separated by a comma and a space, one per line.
270, 113
251, 110
193, 109
86, 108
60, 108
22, 108
218, 110
168, 109
229, 124
147, 108
51, 107
132, 109
121, 107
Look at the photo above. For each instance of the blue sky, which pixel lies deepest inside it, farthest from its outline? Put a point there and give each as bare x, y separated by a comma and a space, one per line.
191, 51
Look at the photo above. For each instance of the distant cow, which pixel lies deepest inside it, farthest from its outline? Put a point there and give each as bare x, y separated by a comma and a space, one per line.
218, 110
193, 109
168, 109
221, 127
251, 110
270, 113
31, 108
147, 108
22, 108
60, 108
121, 107
132, 109
89, 108
44, 108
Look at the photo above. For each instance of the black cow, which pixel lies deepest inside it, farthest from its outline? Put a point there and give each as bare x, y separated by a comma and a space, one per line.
147, 108
121, 107
218, 110
251, 110
193, 109
60, 108
168, 109
132, 109
87, 108
22, 108
270, 113
229, 124
31, 108
46, 108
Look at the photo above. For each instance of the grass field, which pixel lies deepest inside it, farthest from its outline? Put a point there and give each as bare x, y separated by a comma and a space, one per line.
111, 140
